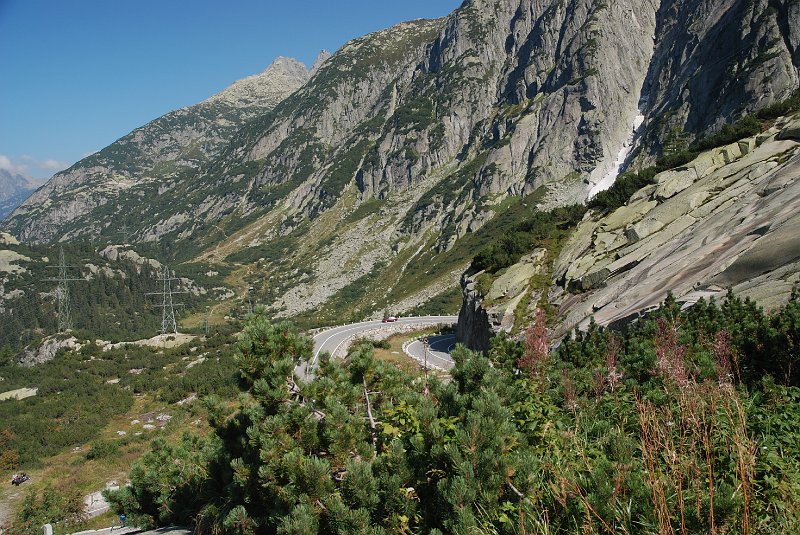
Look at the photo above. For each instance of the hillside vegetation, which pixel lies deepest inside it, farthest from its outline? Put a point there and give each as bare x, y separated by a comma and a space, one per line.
433, 153
682, 423
109, 300
93, 414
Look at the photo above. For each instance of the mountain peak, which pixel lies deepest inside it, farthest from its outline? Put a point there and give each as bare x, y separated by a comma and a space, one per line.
14, 188
10, 182
322, 57
286, 65
261, 89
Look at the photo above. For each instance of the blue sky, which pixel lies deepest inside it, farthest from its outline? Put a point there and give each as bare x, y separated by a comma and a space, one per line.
75, 75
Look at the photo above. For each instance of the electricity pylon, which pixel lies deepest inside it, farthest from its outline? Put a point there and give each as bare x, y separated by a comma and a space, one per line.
167, 306
125, 232
62, 292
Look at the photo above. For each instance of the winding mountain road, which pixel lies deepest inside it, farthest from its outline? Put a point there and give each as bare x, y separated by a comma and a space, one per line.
336, 340
438, 356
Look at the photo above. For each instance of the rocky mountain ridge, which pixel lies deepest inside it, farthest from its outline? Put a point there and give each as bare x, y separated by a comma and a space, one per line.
370, 185
137, 165
261, 90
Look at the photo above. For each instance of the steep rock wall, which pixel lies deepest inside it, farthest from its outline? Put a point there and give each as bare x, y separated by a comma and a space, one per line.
717, 59
408, 140
725, 221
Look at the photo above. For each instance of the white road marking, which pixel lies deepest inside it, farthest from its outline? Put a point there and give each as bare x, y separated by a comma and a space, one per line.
339, 331
436, 355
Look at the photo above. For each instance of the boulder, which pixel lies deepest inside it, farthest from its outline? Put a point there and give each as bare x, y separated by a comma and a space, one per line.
643, 229
791, 130
738, 227
517, 277
608, 241
646, 193
766, 136
696, 199
672, 182
509, 317
590, 281
731, 153
705, 164
628, 214
772, 184
746, 146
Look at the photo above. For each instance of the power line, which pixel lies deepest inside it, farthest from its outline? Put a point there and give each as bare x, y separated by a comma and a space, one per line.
167, 306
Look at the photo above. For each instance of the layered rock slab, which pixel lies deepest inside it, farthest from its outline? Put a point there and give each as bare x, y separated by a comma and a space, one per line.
736, 226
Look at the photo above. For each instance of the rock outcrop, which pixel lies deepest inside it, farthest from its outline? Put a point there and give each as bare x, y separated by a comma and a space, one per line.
724, 221
509, 301
47, 350
727, 220
114, 253
8, 239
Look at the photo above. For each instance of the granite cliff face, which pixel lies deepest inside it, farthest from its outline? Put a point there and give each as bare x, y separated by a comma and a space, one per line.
508, 303
715, 60
727, 220
374, 179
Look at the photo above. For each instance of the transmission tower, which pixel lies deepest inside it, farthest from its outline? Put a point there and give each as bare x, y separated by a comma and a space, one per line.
62, 292
167, 306
125, 232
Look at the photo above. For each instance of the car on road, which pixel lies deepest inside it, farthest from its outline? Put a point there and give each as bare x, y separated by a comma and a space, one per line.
390, 319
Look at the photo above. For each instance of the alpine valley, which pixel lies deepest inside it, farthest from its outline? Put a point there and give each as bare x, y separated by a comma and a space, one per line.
605, 193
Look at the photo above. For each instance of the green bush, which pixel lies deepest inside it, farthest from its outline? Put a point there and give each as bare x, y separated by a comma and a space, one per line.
747, 126
61, 507
102, 449
539, 229
786, 107
618, 194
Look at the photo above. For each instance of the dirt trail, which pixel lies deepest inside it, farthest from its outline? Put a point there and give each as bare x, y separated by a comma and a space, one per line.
7, 497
